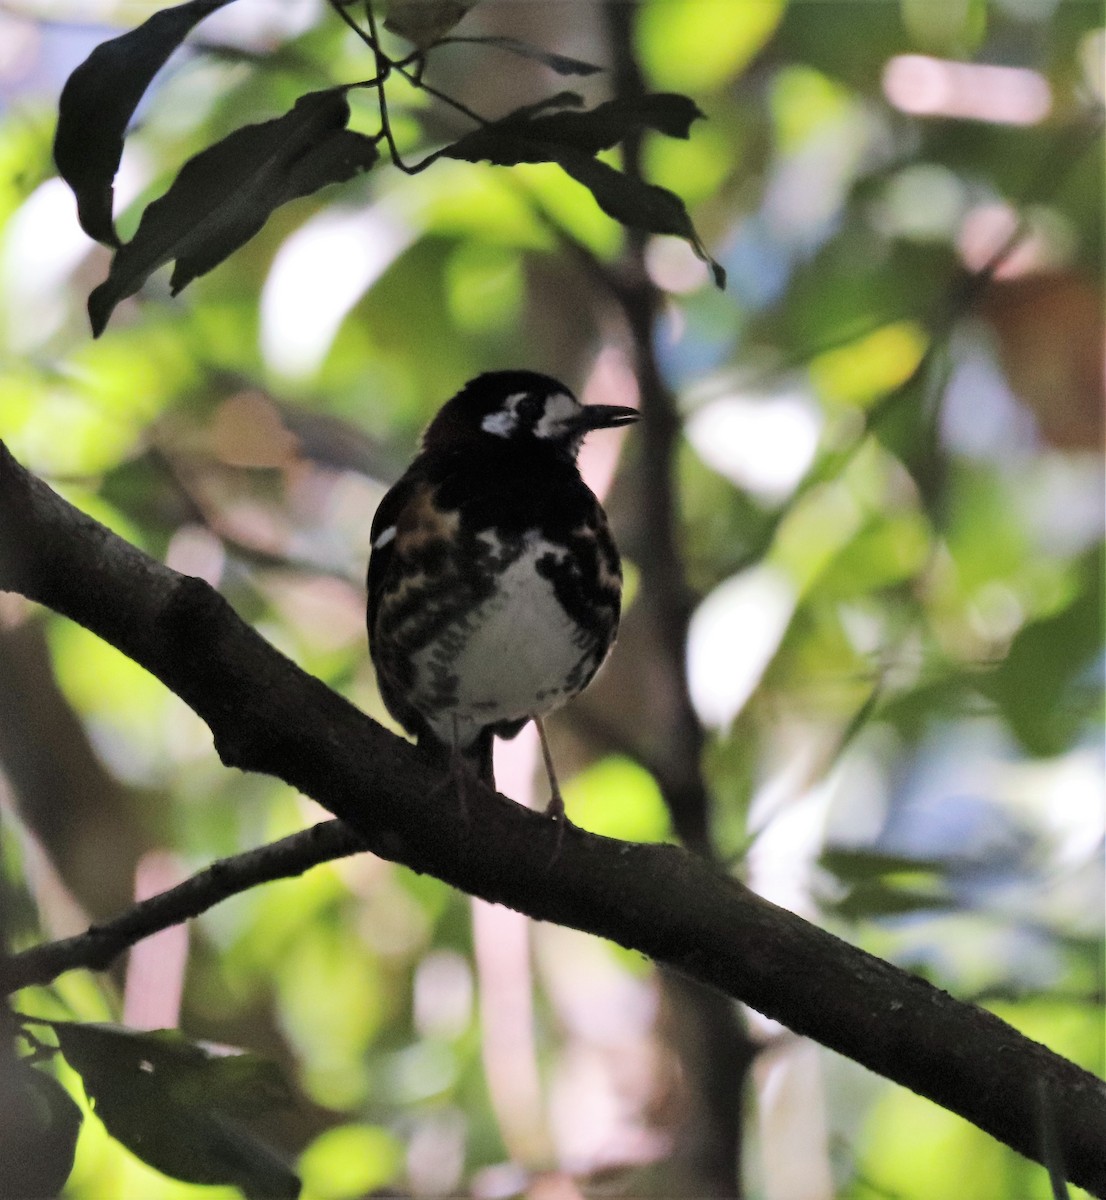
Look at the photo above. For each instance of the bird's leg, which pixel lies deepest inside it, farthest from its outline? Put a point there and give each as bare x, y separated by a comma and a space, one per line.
556, 806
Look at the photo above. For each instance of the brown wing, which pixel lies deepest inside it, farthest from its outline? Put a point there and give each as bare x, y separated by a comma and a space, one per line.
415, 588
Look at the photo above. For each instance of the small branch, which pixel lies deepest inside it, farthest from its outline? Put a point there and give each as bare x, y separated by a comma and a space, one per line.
100, 945
369, 41
269, 716
383, 69
415, 79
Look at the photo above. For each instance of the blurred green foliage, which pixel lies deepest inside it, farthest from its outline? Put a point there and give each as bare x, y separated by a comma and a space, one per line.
904, 725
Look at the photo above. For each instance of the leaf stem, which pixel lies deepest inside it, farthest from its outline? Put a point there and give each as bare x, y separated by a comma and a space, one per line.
383, 66
415, 79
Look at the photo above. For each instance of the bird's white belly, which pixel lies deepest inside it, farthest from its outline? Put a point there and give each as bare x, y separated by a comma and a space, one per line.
515, 656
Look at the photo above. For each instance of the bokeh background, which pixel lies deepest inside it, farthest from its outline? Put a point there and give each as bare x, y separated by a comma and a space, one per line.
888, 494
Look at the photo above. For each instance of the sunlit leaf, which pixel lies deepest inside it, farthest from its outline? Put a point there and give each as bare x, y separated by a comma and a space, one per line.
351, 1161
869, 367
618, 798
225, 194
99, 100
694, 47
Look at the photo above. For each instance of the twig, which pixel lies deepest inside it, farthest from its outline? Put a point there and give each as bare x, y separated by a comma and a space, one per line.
415, 79
99, 945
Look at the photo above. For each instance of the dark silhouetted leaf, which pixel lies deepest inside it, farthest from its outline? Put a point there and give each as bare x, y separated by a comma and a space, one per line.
177, 1105
607, 125
564, 99
225, 194
98, 102
639, 205
571, 139
558, 62
38, 1131
532, 135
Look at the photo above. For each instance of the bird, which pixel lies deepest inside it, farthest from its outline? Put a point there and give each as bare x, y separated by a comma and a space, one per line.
494, 583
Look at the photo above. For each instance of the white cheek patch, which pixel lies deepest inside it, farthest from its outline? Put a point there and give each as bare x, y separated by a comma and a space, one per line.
503, 421
560, 410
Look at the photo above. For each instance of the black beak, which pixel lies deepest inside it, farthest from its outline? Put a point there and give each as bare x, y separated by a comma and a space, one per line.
606, 416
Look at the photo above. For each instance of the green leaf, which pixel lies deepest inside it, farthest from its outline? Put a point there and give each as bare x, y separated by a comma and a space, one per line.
557, 62
98, 102
868, 901
879, 885
617, 797
225, 194
1047, 685
863, 865
177, 1105
702, 47
884, 885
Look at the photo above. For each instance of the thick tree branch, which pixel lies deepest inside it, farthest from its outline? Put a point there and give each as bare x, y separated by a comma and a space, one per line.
269, 716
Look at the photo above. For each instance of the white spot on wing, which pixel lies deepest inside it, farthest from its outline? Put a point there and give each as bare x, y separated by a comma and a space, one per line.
385, 538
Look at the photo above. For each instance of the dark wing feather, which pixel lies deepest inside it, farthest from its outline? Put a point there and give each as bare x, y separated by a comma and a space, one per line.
387, 515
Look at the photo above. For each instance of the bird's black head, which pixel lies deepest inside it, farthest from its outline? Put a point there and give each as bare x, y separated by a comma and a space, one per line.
520, 407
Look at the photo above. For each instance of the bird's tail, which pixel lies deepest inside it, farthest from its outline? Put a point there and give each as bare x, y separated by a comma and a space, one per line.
480, 754
475, 760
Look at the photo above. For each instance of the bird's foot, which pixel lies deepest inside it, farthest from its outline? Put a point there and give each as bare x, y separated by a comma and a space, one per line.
555, 809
